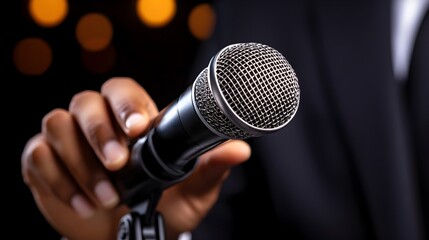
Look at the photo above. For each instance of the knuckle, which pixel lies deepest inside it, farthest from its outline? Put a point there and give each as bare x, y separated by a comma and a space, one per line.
114, 82
81, 98
31, 160
55, 119
37, 156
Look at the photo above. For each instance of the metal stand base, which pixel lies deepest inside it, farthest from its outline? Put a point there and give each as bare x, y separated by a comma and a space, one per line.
143, 222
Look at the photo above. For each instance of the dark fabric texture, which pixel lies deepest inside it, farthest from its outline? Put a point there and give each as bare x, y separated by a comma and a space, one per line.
354, 161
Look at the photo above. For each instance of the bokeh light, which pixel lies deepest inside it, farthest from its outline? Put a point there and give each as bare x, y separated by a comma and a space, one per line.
99, 62
94, 32
156, 13
32, 56
48, 13
201, 21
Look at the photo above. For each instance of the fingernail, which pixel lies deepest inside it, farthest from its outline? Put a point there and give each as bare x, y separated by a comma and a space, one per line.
106, 194
114, 152
134, 120
82, 206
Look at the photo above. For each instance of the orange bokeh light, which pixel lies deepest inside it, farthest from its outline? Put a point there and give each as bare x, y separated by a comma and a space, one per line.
48, 13
201, 21
156, 13
94, 32
32, 56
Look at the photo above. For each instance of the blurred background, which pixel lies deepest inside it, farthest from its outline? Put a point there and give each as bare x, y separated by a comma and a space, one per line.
53, 49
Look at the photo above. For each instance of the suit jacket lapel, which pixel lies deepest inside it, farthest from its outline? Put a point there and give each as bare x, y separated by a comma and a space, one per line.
418, 93
353, 39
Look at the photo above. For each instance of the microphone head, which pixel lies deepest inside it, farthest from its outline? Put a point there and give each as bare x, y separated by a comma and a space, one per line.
248, 90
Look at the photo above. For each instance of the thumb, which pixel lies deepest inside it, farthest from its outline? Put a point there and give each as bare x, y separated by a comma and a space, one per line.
213, 167
186, 204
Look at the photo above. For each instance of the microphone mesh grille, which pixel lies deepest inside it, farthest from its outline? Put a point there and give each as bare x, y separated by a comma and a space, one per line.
211, 113
260, 87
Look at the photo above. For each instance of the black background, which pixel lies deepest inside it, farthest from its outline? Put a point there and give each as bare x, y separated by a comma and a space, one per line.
159, 59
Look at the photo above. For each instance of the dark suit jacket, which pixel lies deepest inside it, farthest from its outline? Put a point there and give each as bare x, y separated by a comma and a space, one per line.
353, 163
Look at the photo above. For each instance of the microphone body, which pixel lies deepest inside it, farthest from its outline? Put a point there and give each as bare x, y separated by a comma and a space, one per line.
247, 90
167, 153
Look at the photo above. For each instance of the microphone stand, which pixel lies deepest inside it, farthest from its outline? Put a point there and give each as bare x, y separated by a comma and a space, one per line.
142, 180
141, 184
143, 222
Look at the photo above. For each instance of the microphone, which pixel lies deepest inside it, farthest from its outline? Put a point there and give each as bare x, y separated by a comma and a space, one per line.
248, 90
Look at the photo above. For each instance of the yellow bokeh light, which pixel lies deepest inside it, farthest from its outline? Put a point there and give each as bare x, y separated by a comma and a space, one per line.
156, 13
201, 21
94, 32
32, 56
48, 13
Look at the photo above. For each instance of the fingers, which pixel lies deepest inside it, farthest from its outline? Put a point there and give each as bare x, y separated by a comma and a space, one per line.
60, 199
69, 144
122, 107
69, 158
45, 176
94, 119
133, 110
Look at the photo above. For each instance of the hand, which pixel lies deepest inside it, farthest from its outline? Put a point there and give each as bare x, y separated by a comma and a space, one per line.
65, 165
